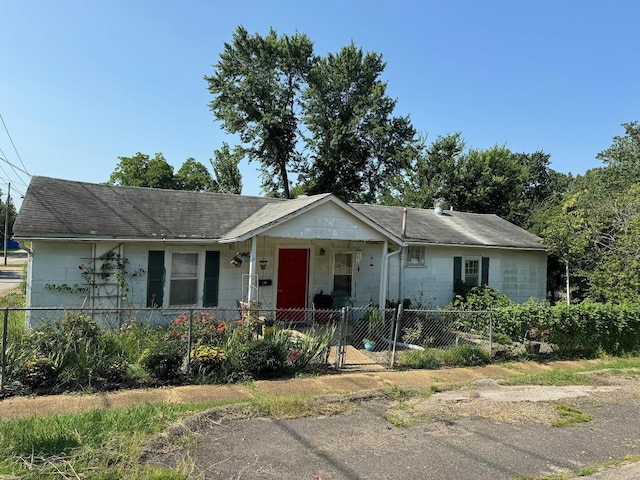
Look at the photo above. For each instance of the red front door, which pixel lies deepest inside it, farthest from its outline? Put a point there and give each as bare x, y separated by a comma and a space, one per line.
293, 273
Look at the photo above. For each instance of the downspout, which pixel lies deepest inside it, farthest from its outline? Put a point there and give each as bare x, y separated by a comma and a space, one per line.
402, 255
384, 283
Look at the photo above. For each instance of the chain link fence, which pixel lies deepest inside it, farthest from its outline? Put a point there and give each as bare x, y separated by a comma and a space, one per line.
379, 334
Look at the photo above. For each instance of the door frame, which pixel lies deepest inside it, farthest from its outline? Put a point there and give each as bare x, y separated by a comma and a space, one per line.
309, 287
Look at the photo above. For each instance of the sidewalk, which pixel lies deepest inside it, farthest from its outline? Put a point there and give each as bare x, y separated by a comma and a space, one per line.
20, 407
475, 448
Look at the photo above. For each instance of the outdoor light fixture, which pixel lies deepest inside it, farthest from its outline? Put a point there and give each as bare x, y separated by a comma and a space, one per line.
263, 262
236, 261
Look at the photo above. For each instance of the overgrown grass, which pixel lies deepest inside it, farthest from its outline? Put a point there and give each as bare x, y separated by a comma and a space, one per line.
285, 406
588, 470
463, 355
551, 377
578, 376
108, 444
104, 443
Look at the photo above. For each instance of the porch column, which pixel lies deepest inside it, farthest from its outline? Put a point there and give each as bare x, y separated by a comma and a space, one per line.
383, 275
252, 267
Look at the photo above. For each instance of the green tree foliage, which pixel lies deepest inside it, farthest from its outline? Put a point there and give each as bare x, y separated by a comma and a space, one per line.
225, 168
496, 180
256, 87
355, 142
142, 171
596, 227
193, 175
3, 216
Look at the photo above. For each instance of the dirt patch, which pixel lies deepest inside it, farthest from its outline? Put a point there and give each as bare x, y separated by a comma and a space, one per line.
486, 398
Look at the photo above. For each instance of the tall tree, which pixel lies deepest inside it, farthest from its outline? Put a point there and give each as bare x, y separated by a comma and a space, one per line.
225, 168
430, 176
143, 171
193, 175
596, 227
256, 86
495, 180
355, 141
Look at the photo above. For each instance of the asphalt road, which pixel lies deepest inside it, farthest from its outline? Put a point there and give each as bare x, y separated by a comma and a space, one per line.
362, 444
11, 274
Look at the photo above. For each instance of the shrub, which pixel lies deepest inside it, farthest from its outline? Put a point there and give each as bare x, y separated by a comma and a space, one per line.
81, 355
425, 359
163, 361
38, 373
465, 355
208, 362
523, 322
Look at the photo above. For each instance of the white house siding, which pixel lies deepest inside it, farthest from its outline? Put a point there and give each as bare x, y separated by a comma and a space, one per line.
328, 221
518, 274
56, 264
524, 275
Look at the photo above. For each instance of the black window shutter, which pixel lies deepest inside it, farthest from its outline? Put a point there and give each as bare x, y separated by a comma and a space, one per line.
485, 271
457, 270
155, 278
211, 279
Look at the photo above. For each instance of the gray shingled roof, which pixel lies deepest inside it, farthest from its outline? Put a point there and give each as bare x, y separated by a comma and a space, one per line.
54, 208
451, 228
272, 214
65, 209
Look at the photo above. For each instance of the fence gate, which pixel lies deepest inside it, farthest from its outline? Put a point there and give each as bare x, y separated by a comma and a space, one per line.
365, 338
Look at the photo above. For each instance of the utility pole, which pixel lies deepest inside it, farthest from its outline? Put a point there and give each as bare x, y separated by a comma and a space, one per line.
6, 223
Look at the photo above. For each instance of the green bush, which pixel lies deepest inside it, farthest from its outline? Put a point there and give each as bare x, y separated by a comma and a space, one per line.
523, 322
463, 355
163, 360
38, 373
426, 359
581, 330
81, 355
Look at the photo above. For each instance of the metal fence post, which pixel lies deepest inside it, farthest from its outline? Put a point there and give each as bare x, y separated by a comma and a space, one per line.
189, 342
491, 314
395, 334
5, 327
342, 339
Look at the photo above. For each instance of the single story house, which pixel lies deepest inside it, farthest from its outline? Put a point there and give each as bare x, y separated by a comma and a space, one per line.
112, 246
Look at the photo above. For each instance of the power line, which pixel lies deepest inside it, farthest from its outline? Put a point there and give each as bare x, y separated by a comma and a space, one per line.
15, 167
14, 145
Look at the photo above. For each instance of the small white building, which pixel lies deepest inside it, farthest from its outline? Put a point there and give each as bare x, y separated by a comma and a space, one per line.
98, 245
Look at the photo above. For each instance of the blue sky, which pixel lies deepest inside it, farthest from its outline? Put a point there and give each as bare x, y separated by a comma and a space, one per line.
83, 82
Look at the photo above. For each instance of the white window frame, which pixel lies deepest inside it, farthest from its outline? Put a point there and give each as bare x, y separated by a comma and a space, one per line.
353, 269
415, 261
477, 275
168, 262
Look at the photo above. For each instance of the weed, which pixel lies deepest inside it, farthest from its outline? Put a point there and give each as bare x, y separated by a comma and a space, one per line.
569, 416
